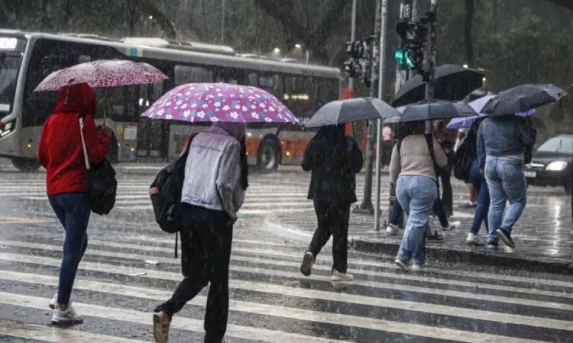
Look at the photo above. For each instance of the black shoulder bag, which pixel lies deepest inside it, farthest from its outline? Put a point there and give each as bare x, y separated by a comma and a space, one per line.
102, 185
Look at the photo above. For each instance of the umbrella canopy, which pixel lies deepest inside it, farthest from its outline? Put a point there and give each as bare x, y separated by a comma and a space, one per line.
347, 111
432, 110
451, 82
212, 102
102, 73
467, 122
522, 99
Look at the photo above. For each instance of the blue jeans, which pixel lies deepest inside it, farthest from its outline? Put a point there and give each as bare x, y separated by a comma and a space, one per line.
417, 195
506, 182
73, 211
480, 184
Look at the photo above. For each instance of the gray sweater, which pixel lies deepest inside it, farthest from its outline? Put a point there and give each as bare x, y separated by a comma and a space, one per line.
213, 173
414, 158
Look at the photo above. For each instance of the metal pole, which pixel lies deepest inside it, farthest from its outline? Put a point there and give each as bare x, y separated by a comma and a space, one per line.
367, 206
352, 36
223, 18
430, 57
381, 65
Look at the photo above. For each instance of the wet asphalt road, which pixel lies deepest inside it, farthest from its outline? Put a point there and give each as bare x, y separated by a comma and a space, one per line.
271, 301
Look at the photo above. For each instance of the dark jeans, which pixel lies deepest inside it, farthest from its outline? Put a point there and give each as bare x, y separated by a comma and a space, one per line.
437, 208
482, 209
73, 211
332, 221
447, 192
206, 239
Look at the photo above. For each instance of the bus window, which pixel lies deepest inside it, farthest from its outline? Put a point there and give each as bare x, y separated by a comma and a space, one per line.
187, 74
253, 79
48, 56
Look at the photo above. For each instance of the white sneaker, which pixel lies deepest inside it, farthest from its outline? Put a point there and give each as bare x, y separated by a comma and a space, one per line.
472, 239
392, 230
452, 226
403, 265
54, 301
416, 267
338, 276
67, 316
307, 263
161, 323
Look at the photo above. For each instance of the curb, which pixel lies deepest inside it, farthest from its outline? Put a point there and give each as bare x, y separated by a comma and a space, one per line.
541, 264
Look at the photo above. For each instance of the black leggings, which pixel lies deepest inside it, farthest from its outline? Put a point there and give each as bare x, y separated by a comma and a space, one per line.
332, 221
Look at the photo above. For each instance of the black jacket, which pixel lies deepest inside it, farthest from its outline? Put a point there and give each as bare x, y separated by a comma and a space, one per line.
334, 169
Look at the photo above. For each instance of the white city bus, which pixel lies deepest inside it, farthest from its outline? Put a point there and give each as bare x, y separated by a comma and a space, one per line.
26, 58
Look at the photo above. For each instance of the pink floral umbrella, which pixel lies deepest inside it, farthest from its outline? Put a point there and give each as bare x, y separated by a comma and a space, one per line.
211, 102
102, 73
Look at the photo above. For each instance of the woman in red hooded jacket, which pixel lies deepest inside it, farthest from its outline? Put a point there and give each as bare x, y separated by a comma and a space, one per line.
62, 155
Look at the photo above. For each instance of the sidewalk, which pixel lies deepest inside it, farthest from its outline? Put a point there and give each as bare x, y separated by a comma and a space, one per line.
543, 237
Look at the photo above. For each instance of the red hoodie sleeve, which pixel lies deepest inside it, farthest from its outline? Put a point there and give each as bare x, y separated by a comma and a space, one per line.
42, 153
97, 144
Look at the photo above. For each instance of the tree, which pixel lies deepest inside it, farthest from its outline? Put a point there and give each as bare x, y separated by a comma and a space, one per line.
307, 22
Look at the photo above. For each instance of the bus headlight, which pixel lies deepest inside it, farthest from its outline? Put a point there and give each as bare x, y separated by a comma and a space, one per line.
556, 166
6, 128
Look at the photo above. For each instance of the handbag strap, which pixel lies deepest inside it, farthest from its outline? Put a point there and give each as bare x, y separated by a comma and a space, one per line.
87, 161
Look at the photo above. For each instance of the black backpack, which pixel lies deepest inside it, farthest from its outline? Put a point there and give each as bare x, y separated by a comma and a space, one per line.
165, 193
102, 185
467, 153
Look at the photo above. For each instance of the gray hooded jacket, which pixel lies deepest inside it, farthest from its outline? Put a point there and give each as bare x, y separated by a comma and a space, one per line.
212, 169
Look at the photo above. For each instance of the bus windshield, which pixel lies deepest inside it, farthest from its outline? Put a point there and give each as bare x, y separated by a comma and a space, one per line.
9, 67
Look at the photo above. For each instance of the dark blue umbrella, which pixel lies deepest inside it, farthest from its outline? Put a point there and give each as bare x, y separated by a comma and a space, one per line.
432, 110
522, 99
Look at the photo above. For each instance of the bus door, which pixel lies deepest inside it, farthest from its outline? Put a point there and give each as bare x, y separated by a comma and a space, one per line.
152, 135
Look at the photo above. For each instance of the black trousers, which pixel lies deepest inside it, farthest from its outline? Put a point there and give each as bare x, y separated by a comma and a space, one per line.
332, 221
206, 239
447, 191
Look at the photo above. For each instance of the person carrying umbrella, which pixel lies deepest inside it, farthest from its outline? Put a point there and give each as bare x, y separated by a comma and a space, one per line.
505, 143
333, 160
412, 170
501, 145
216, 178
61, 153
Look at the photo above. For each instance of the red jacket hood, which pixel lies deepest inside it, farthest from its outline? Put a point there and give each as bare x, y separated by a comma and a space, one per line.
79, 98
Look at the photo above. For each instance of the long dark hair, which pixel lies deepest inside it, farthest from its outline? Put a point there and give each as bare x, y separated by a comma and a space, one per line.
244, 165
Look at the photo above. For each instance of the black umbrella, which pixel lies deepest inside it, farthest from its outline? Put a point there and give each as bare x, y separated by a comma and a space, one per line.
432, 110
451, 82
347, 111
522, 99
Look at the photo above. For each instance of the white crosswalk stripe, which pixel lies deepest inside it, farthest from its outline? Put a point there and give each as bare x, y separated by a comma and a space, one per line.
271, 301
116, 289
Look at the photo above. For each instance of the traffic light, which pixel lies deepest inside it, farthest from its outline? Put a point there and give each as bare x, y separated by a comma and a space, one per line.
359, 63
404, 59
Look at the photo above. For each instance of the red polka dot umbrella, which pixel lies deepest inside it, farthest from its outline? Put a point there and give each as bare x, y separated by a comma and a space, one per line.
102, 73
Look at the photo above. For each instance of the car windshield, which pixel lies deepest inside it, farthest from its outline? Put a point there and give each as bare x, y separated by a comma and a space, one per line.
9, 67
560, 144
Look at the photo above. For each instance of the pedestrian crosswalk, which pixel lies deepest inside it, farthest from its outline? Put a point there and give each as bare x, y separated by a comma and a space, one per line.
129, 268
265, 195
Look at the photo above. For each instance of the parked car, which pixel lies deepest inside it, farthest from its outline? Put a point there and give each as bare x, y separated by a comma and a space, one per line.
552, 163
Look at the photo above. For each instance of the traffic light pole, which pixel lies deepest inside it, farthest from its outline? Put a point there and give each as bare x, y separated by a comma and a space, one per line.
381, 65
366, 206
430, 57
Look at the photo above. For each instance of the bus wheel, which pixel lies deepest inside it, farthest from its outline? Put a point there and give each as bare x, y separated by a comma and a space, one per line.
26, 164
269, 155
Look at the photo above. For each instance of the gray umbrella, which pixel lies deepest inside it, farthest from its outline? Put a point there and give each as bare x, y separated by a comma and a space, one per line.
451, 82
522, 99
432, 110
347, 111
